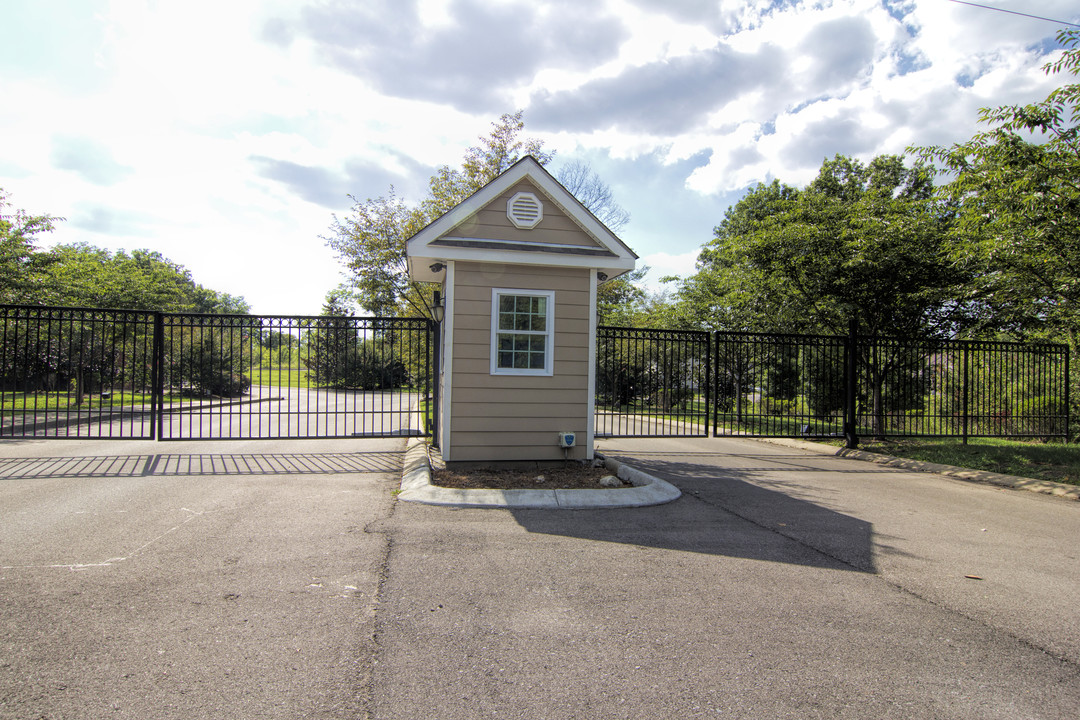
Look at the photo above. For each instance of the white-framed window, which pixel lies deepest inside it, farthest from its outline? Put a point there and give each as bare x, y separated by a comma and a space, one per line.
522, 332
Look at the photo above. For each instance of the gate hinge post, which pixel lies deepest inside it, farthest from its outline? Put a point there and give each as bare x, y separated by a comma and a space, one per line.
851, 411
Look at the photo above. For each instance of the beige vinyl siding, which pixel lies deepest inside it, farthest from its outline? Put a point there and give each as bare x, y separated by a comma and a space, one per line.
516, 417
491, 223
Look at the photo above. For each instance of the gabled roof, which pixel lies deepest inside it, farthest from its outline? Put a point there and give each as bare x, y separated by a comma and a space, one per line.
438, 243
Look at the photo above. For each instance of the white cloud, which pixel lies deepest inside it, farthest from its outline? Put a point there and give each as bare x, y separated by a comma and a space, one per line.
224, 134
663, 264
833, 96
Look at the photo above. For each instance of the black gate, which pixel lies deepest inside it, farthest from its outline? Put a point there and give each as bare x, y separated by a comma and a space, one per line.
770, 385
71, 373
81, 373
652, 383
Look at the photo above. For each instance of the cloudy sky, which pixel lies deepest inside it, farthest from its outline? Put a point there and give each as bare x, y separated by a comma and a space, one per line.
225, 134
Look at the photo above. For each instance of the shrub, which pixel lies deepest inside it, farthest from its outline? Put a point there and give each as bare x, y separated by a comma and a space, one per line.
365, 365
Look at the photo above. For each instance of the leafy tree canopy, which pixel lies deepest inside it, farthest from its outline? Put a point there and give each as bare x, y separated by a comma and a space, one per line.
22, 267
621, 301
1016, 191
861, 238
86, 276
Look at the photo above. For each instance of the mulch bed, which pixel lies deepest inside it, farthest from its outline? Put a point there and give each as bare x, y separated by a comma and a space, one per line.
574, 476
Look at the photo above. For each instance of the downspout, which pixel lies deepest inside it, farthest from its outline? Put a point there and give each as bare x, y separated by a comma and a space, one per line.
590, 420
448, 361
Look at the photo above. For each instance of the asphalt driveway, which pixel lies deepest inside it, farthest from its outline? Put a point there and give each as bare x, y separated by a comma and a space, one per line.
190, 580
264, 580
782, 585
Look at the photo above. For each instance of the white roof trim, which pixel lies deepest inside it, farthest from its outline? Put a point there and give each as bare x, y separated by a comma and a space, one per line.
513, 257
568, 246
420, 254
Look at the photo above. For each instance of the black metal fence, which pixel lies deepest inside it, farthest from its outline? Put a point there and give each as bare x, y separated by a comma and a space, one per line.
962, 389
779, 385
72, 372
652, 383
76, 372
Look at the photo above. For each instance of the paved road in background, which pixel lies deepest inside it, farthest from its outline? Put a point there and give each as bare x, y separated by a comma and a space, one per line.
281, 580
264, 412
280, 412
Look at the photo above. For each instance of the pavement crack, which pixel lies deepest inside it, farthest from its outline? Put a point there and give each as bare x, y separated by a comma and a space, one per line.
786, 535
1060, 657
373, 650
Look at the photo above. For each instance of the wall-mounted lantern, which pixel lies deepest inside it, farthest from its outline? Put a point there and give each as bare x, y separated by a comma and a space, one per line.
438, 310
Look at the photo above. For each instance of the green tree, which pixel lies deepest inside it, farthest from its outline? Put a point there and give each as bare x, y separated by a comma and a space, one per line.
620, 301
23, 268
728, 291
204, 300
279, 348
88, 276
340, 357
861, 238
371, 245
211, 360
1016, 191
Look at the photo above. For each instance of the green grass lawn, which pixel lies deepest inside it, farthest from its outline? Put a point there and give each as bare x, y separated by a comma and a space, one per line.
1054, 461
63, 401
279, 376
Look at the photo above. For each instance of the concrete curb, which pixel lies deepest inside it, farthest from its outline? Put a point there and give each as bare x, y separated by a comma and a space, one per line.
1015, 482
416, 487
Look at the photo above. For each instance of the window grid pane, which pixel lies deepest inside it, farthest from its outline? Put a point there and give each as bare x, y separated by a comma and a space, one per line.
524, 344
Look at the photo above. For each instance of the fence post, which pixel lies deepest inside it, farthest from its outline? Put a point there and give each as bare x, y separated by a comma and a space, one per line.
157, 378
715, 383
851, 413
966, 395
436, 340
708, 383
1068, 399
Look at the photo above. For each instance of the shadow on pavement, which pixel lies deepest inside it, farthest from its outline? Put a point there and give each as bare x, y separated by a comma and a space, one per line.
724, 511
200, 464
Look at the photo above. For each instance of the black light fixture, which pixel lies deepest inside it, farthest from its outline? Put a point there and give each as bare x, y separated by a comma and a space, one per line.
601, 276
438, 311
436, 267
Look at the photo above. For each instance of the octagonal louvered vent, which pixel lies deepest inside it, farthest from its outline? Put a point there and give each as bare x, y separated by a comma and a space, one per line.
524, 210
